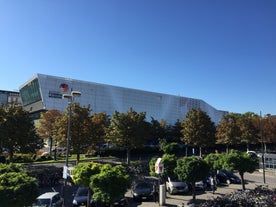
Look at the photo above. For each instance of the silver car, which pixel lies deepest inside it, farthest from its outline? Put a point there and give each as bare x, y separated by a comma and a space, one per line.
49, 199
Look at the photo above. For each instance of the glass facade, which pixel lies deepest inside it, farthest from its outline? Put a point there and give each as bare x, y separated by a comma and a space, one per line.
47, 91
30, 93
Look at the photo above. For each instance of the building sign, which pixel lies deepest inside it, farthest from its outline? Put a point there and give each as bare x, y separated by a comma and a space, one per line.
159, 167
64, 87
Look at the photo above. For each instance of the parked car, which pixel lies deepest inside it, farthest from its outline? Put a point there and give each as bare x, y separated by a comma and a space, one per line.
142, 190
226, 176
49, 199
199, 186
174, 186
80, 198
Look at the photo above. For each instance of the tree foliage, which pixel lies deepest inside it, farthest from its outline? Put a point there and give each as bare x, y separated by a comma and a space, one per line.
228, 131
110, 184
129, 130
198, 129
83, 172
99, 126
17, 131
192, 169
46, 125
16, 187
80, 126
214, 161
241, 162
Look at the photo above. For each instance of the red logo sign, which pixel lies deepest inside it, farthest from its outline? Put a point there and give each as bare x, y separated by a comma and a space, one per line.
64, 87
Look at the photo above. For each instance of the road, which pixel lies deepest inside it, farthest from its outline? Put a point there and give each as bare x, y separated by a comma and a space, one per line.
252, 180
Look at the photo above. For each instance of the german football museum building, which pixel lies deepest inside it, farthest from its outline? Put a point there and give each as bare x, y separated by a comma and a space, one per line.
45, 92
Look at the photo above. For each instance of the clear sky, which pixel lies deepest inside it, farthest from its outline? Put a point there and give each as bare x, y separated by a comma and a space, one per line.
220, 51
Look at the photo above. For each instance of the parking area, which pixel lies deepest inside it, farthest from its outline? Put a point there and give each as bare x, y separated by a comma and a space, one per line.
252, 180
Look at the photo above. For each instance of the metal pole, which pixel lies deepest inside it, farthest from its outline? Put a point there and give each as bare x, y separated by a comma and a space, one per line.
68, 138
262, 139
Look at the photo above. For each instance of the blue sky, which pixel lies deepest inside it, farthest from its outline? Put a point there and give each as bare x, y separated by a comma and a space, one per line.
220, 51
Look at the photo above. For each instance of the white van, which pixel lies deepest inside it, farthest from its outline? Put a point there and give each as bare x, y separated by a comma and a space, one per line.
49, 199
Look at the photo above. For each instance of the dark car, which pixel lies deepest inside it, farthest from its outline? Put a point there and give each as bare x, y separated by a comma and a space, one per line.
142, 190
226, 176
80, 198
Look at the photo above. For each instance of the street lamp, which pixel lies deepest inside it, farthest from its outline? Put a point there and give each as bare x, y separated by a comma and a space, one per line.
262, 140
70, 98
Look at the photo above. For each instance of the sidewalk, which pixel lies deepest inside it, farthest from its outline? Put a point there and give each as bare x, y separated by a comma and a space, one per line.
252, 181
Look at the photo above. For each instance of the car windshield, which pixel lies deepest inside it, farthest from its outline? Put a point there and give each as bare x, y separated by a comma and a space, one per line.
143, 185
42, 202
82, 192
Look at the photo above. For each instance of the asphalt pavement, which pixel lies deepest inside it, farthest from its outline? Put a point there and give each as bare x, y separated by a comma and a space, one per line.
252, 180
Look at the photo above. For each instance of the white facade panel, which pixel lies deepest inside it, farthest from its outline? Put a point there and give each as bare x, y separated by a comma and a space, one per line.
107, 98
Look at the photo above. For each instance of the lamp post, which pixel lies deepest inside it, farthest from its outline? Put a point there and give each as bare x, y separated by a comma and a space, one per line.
262, 140
70, 98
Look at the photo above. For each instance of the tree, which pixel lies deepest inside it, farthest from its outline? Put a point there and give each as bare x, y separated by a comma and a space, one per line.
241, 162
46, 126
110, 184
16, 187
198, 129
214, 161
99, 126
192, 169
157, 129
249, 132
80, 128
169, 162
171, 148
175, 131
18, 131
82, 174
129, 130
267, 128
228, 131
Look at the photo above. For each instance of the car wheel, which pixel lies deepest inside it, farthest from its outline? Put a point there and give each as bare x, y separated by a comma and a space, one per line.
170, 191
228, 182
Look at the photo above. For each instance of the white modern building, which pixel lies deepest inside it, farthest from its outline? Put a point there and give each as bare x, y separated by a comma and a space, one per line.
44, 92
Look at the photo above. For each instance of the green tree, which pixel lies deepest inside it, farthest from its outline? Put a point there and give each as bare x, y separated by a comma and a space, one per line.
110, 184
169, 162
129, 130
171, 148
16, 187
99, 126
267, 129
198, 129
18, 131
157, 129
175, 131
82, 174
249, 132
152, 166
214, 161
46, 125
241, 162
228, 131
192, 169
79, 131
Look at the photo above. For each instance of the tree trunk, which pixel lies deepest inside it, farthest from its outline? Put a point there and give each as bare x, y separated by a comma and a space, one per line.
242, 180
89, 197
200, 151
193, 190
78, 158
51, 146
128, 156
